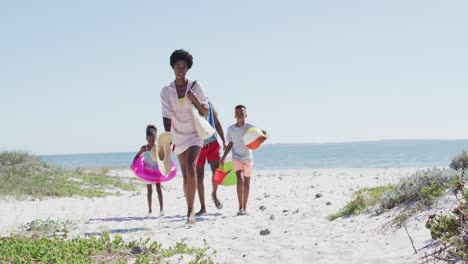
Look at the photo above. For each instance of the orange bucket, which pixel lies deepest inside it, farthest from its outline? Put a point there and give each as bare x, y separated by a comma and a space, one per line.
219, 176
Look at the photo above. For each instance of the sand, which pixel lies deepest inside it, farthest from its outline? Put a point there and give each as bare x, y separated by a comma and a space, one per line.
287, 203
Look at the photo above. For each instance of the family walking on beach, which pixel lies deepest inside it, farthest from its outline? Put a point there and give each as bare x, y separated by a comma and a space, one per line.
177, 101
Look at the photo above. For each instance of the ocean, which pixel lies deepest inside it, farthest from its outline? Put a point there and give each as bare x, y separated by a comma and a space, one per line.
372, 154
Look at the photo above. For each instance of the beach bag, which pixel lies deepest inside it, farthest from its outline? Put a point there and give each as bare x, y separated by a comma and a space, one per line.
203, 127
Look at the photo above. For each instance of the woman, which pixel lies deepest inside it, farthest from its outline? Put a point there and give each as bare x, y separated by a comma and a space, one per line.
176, 101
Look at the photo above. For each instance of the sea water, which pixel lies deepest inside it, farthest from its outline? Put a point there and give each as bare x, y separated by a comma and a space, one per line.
372, 154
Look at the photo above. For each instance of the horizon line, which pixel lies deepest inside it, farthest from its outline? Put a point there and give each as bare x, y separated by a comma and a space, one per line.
287, 143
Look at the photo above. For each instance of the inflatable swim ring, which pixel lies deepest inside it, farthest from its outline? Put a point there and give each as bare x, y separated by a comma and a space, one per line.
147, 170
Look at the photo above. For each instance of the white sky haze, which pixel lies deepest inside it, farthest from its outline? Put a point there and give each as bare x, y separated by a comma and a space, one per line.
85, 76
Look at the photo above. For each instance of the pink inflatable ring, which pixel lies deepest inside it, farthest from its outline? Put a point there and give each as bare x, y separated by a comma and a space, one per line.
150, 173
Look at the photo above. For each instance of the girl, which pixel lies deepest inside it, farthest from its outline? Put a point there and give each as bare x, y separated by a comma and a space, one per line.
151, 134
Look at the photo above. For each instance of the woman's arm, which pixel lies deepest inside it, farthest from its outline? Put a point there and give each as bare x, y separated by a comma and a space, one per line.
197, 97
166, 109
167, 124
202, 109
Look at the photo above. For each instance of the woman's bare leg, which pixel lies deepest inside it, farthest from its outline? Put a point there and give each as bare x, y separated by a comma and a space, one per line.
201, 189
191, 157
182, 158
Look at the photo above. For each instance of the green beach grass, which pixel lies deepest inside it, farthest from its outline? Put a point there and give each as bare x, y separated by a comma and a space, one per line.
26, 176
103, 249
417, 193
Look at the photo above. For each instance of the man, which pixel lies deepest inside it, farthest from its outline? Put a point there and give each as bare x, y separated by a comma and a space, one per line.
210, 152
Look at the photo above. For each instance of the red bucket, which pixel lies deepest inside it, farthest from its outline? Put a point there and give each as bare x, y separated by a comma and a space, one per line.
219, 176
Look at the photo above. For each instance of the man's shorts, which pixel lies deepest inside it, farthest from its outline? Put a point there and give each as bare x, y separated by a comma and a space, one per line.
246, 167
208, 153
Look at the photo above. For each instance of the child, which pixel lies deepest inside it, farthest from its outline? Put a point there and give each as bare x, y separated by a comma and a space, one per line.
151, 132
242, 158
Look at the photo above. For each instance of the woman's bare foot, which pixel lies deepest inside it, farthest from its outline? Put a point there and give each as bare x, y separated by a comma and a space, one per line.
191, 218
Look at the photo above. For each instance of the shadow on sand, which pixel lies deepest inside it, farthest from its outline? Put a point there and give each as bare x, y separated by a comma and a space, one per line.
167, 219
117, 231
122, 219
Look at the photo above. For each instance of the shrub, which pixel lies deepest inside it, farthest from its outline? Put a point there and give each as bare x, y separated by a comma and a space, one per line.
451, 231
417, 191
425, 184
444, 225
20, 249
460, 162
364, 199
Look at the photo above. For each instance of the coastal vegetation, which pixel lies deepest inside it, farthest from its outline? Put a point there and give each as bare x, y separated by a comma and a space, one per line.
97, 249
26, 176
417, 193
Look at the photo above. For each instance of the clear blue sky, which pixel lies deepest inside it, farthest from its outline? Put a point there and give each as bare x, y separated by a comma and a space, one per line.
85, 76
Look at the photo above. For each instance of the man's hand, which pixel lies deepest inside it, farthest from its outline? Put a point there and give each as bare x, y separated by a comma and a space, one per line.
224, 146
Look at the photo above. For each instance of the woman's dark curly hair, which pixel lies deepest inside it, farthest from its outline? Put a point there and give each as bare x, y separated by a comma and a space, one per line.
181, 55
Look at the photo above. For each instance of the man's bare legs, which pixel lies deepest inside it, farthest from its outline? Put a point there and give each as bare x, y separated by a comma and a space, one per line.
214, 164
187, 161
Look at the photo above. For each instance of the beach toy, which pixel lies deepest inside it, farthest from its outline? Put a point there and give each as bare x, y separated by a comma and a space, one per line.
231, 178
253, 138
219, 176
147, 169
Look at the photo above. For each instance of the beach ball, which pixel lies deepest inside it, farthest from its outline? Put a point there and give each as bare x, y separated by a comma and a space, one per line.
253, 138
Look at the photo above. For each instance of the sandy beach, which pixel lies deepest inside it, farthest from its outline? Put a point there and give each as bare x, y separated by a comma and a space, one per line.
287, 203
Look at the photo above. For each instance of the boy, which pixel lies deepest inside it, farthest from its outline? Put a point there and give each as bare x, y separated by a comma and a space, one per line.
242, 158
